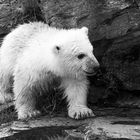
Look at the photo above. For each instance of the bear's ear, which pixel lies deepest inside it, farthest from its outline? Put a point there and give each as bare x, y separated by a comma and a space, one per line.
85, 29
57, 49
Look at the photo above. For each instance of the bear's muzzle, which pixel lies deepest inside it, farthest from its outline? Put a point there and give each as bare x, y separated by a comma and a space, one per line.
92, 66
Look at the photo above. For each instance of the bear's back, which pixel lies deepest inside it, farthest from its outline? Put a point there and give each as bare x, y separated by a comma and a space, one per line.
16, 41
18, 37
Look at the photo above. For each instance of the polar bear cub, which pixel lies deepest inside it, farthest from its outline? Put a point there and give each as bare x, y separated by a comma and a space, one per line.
31, 51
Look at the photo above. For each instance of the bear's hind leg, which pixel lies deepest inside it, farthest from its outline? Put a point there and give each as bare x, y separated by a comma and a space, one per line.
25, 98
6, 80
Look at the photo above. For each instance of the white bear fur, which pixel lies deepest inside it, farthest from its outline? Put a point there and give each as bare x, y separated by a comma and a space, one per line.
29, 52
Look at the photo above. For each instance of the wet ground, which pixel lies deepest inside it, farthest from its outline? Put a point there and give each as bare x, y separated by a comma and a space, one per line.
44, 133
56, 133
109, 124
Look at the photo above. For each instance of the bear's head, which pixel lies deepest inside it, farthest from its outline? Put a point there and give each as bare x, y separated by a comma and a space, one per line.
74, 53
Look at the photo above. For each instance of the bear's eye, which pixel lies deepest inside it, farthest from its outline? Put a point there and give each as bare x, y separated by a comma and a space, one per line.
81, 56
58, 48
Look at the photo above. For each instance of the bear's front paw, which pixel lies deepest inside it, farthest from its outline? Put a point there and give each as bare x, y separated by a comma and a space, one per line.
80, 112
28, 114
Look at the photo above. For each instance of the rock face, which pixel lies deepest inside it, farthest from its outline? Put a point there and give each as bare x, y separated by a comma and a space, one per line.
113, 30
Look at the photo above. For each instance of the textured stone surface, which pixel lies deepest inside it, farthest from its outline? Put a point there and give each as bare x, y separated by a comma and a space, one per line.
107, 126
122, 61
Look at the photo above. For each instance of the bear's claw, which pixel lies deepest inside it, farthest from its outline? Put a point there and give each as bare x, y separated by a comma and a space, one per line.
29, 114
80, 112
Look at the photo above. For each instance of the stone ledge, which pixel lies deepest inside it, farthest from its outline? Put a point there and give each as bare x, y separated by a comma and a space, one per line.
107, 127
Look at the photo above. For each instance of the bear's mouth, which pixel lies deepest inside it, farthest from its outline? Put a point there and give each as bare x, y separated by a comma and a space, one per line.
90, 73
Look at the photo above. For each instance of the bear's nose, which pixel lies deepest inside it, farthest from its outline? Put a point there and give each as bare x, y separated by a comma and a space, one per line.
92, 66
